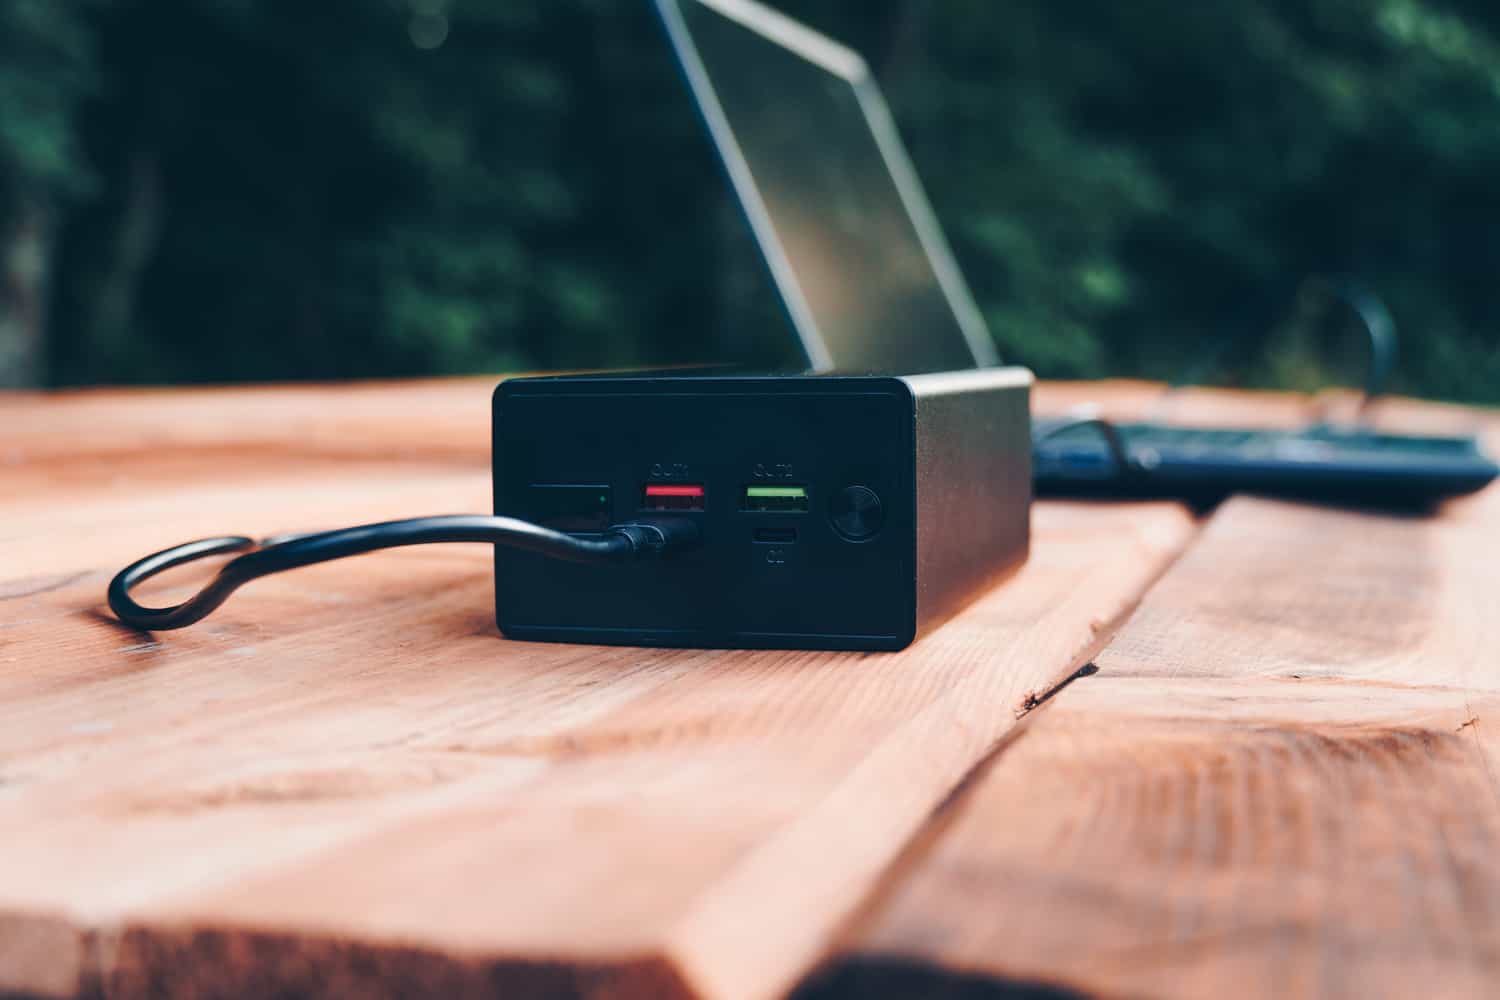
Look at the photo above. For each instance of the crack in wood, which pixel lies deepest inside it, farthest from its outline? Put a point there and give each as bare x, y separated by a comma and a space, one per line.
33, 585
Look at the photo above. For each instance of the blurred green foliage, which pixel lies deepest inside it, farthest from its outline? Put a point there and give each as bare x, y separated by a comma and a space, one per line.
214, 190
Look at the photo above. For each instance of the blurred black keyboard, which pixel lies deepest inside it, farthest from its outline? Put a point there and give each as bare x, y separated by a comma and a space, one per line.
1321, 438
1321, 460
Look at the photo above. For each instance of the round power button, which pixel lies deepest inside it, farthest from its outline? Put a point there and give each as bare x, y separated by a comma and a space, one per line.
856, 513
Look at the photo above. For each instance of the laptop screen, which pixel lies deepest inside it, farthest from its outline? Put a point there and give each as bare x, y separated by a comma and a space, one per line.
816, 163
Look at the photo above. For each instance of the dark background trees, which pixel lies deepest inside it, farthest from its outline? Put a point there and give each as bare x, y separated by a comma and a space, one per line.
214, 190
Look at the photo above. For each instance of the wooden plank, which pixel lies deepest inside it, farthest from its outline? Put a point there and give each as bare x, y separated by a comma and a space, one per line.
346, 782
1218, 839
420, 419
1281, 782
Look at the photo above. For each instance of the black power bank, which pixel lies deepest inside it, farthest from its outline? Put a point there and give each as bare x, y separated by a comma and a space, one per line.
836, 512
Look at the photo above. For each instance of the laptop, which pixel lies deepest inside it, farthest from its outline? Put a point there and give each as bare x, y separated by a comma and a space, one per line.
870, 284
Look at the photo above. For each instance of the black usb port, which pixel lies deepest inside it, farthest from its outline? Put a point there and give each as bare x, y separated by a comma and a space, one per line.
569, 506
776, 536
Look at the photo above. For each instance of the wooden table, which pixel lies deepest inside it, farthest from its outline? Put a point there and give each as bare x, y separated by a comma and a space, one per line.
1248, 753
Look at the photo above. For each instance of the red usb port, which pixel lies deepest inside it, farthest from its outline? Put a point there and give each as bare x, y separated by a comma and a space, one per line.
673, 496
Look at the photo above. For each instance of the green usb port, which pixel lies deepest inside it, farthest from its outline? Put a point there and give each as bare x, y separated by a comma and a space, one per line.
776, 498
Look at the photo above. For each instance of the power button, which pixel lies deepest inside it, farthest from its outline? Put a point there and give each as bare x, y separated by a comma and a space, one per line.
856, 513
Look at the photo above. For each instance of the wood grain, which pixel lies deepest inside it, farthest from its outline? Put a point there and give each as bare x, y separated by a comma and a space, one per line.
1281, 782
346, 783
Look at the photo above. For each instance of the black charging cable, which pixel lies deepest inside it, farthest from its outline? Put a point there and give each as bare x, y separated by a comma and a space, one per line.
1317, 299
643, 538
1379, 327
1317, 295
